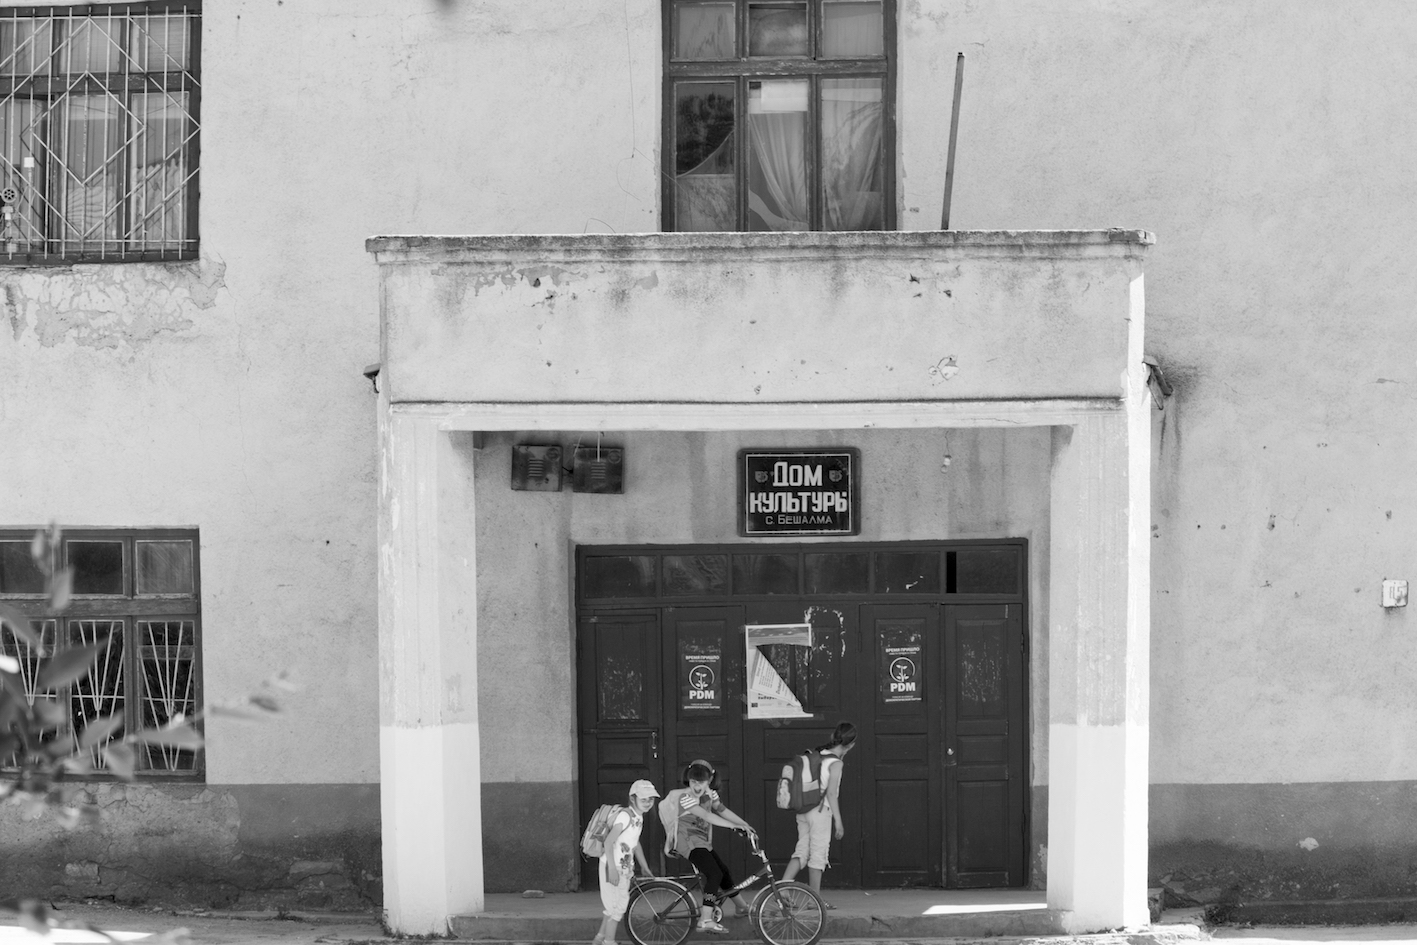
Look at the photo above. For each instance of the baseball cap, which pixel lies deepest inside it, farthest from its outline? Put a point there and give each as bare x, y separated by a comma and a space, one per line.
643, 788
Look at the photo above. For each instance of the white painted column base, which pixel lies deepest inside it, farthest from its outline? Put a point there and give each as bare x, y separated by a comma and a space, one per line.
1097, 817
430, 792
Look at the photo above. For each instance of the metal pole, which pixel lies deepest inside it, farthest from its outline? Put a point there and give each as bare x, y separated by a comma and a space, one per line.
954, 133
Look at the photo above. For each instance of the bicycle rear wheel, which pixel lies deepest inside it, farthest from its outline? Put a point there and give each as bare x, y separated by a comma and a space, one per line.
660, 913
789, 914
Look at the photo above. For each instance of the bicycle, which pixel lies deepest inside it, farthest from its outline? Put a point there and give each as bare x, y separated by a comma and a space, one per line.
662, 912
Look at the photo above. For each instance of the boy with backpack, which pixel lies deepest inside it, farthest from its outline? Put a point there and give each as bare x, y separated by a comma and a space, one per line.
814, 825
617, 862
688, 815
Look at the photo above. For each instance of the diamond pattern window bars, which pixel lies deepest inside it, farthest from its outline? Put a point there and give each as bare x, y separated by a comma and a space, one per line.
99, 132
141, 596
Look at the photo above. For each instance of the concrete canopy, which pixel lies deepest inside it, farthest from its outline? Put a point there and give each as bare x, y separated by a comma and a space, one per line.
800, 331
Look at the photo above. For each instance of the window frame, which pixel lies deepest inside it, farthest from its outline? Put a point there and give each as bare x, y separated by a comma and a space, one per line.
128, 608
186, 80
743, 69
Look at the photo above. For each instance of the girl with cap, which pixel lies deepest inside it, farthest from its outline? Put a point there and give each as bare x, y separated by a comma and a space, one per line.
688, 814
617, 863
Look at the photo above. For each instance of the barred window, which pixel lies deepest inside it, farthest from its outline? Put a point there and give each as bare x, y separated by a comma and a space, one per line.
138, 591
99, 132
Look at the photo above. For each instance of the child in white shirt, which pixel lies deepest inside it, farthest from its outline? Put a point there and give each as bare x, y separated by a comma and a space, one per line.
617, 863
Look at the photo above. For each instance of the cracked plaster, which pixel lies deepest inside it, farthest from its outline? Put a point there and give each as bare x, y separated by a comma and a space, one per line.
109, 307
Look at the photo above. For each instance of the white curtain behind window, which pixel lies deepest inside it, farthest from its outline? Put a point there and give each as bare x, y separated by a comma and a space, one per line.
851, 153
777, 131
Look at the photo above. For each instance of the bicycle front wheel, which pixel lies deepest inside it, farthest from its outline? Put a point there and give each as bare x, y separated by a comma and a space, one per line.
789, 914
660, 913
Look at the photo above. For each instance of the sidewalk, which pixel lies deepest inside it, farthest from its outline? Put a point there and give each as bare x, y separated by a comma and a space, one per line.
859, 914
1002, 917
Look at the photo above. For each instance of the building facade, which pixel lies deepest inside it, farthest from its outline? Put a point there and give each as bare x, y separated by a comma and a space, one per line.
1166, 597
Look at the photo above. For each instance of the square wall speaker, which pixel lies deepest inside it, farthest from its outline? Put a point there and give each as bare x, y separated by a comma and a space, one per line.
536, 468
598, 469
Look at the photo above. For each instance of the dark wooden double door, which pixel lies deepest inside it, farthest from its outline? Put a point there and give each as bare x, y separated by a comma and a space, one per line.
934, 794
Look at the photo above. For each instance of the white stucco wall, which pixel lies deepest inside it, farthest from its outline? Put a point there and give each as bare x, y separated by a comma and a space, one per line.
1263, 144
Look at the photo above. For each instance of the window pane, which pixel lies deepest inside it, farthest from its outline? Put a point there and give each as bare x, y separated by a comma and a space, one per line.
986, 571
852, 30
92, 169
765, 574
98, 566
695, 575
777, 160
619, 576
164, 567
18, 574
19, 649
908, 572
160, 42
851, 154
848, 573
20, 120
777, 29
704, 31
93, 44
167, 650
101, 692
162, 130
25, 46
705, 191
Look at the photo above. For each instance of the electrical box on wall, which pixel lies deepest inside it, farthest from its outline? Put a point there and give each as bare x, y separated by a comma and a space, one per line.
536, 468
598, 469
1394, 593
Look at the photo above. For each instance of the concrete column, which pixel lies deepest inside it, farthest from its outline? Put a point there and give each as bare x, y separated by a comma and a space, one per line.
1098, 692
430, 767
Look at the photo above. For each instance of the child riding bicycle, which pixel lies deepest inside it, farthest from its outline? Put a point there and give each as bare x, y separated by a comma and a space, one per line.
689, 815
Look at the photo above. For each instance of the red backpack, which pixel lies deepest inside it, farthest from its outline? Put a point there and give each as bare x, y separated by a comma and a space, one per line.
799, 789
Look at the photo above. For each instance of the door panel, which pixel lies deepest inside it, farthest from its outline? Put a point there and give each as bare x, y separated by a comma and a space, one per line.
621, 707
825, 681
704, 667
899, 758
987, 781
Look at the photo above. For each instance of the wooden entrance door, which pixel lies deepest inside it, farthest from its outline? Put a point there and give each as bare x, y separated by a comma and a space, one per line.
824, 680
899, 763
937, 791
986, 786
621, 715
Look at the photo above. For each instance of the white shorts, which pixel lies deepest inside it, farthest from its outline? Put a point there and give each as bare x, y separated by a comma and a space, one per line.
615, 898
814, 837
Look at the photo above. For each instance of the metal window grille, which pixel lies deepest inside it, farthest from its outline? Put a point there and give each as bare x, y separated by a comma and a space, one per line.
148, 670
99, 132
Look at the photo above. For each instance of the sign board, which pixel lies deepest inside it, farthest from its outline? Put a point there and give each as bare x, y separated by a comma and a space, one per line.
799, 492
700, 676
769, 695
901, 677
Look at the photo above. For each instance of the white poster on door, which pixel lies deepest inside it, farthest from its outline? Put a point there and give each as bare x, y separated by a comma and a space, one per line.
769, 695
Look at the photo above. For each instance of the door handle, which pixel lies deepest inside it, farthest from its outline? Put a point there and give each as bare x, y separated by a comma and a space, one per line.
950, 759
654, 745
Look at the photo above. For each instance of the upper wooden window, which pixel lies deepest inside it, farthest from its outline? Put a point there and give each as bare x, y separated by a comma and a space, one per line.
98, 132
779, 115
137, 593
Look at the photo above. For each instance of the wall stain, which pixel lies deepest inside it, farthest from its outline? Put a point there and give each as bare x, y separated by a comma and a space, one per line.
110, 307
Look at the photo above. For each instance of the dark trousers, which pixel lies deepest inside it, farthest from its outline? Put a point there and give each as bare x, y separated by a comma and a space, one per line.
716, 876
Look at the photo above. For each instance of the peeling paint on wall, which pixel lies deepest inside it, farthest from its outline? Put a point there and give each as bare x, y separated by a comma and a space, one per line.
109, 307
